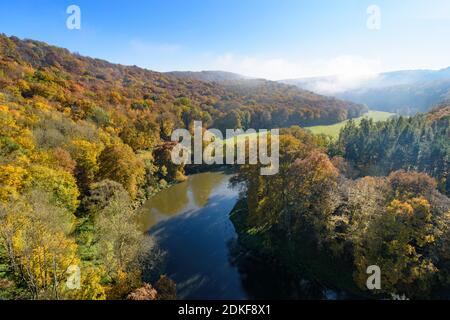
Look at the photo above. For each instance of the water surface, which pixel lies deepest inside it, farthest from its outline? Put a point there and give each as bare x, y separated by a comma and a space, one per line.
190, 221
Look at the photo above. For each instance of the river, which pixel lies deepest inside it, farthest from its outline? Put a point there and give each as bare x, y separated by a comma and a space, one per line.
190, 222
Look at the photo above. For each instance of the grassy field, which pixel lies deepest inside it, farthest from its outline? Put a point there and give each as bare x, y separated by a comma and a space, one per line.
333, 130
244, 136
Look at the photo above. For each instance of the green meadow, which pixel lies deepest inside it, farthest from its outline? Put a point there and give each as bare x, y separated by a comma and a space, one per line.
333, 130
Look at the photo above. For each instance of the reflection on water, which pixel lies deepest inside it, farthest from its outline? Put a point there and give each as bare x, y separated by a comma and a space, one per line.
191, 195
190, 221
201, 186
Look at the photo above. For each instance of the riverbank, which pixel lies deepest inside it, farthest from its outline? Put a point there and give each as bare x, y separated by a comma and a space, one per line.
335, 277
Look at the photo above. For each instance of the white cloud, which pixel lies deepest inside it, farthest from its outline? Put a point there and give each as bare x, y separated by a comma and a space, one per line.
267, 68
348, 70
350, 67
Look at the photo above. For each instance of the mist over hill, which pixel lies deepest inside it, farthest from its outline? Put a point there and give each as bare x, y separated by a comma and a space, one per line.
208, 76
404, 92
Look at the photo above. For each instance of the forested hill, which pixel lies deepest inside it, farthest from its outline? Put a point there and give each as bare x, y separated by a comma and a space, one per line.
30, 68
209, 76
82, 143
271, 93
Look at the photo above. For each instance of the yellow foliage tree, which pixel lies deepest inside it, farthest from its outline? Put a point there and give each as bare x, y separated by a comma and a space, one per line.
90, 285
394, 242
36, 235
12, 181
57, 182
86, 155
119, 163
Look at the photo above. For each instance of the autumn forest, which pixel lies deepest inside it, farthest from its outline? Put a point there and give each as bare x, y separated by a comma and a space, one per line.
84, 143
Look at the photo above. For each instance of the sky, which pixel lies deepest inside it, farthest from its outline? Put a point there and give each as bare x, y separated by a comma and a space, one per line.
272, 39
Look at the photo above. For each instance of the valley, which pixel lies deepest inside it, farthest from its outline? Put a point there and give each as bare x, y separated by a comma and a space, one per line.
87, 183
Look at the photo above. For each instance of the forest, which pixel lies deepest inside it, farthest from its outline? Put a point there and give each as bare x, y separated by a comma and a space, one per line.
83, 143
376, 196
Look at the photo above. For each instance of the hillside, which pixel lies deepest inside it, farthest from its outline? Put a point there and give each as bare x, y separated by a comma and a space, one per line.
262, 92
208, 76
404, 92
440, 112
74, 81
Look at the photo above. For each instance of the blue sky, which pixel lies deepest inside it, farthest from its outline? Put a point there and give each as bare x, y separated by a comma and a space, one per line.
274, 39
